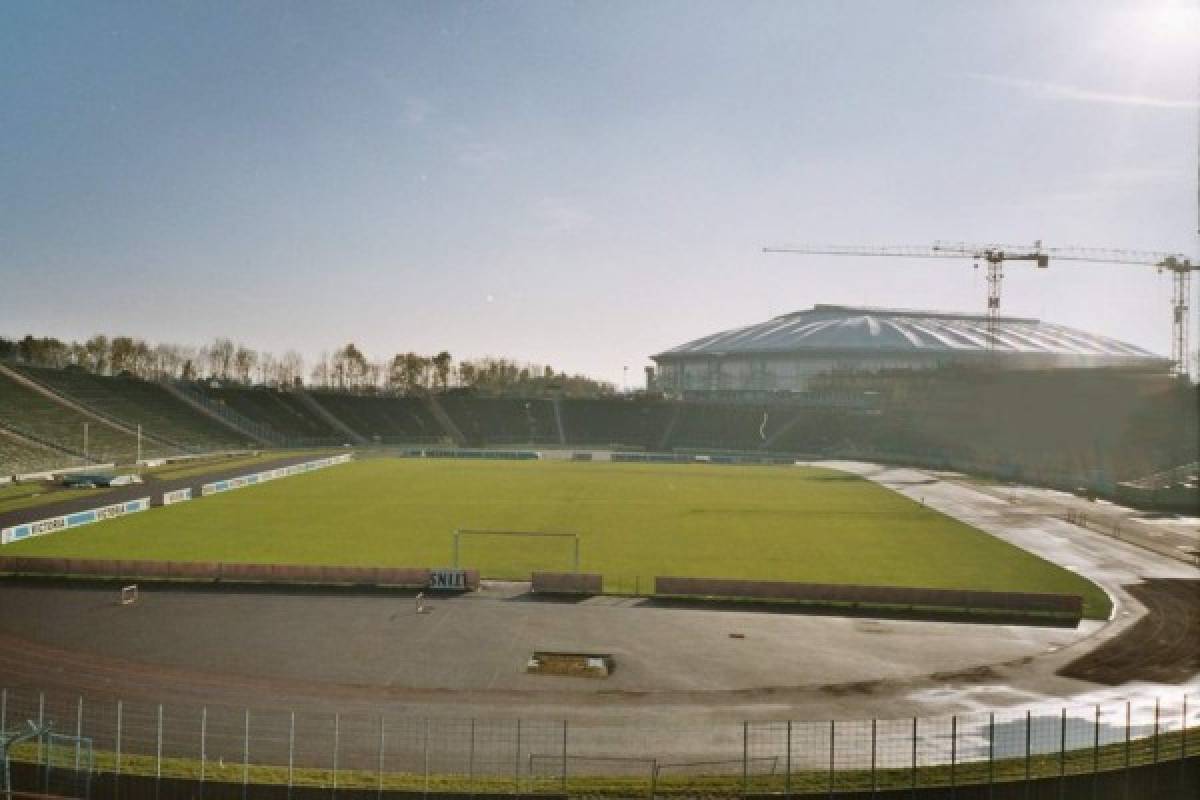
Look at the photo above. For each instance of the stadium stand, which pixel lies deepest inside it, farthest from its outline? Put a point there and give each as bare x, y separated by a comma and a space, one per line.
131, 402
281, 411
621, 422
20, 456
728, 426
390, 420
37, 417
1101, 429
502, 420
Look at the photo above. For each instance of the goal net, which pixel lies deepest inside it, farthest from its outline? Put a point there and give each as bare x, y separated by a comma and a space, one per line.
515, 555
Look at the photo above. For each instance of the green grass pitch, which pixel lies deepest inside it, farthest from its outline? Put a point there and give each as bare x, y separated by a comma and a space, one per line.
634, 521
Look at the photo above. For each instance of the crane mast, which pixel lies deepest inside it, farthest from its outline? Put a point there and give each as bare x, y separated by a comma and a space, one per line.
995, 255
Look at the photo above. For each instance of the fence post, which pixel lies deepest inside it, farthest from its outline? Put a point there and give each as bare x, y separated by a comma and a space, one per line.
1183, 745
914, 756
832, 739
291, 749
953, 755
203, 746
41, 722
158, 748
991, 752
564, 758
246, 754
874, 742
78, 730
337, 731
1156, 730
1154, 771
745, 757
787, 775
1028, 735
120, 716
1062, 752
382, 734
1127, 715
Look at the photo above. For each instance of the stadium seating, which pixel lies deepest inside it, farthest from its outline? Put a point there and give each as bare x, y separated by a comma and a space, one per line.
37, 417
390, 420
727, 426
19, 456
621, 422
502, 420
1062, 428
133, 402
282, 411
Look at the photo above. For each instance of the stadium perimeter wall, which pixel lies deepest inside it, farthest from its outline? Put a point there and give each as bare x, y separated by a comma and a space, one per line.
1163, 781
215, 572
1069, 607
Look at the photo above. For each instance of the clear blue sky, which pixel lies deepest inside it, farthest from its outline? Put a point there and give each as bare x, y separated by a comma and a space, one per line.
577, 183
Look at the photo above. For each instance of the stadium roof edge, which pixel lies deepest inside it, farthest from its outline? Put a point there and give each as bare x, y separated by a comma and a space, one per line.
863, 331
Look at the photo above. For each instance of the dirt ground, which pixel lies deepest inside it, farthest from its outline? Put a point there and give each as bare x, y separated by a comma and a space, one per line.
1162, 647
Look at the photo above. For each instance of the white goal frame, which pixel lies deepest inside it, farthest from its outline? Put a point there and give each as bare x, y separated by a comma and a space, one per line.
129, 594
460, 532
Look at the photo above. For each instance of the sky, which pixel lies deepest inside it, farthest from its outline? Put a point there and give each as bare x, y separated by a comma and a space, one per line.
582, 184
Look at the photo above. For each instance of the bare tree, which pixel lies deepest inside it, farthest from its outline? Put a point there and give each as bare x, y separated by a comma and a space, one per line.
442, 364
291, 368
220, 358
244, 360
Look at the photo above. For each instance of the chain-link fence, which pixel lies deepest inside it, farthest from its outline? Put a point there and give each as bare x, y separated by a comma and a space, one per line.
222, 745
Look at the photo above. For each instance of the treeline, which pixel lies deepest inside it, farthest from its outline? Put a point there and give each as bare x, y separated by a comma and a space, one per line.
346, 368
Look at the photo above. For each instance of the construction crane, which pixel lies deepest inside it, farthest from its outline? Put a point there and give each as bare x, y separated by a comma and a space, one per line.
995, 255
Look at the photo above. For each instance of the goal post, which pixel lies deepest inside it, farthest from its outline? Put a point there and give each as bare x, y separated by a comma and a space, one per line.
459, 533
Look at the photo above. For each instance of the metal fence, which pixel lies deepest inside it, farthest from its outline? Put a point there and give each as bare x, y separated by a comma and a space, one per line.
362, 751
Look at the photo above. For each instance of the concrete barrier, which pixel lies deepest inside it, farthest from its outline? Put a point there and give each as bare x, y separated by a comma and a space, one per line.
1060, 605
217, 572
568, 583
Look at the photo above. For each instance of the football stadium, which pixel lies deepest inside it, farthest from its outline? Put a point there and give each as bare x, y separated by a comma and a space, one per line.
459, 400
841, 551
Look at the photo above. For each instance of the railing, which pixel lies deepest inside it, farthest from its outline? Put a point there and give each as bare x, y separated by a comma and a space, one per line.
379, 751
42, 440
125, 426
255, 429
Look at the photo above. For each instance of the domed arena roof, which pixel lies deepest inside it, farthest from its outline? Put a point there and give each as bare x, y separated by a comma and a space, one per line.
848, 330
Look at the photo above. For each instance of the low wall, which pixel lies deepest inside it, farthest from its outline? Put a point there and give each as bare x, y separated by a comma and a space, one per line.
216, 572
42, 527
255, 478
1164, 780
1060, 605
568, 583
177, 496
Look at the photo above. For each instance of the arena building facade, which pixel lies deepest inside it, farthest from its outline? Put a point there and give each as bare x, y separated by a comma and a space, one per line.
786, 353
